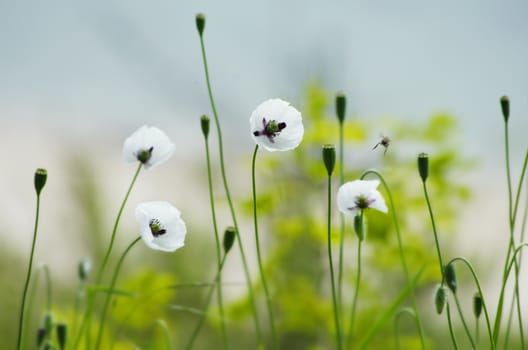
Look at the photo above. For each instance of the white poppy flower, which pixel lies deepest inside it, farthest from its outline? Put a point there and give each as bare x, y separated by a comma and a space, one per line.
276, 126
148, 145
161, 226
358, 195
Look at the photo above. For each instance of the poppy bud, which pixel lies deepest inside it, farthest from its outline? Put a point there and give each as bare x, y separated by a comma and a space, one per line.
505, 107
200, 23
41, 335
84, 269
205, 122
340, 107
41, 175
423, 165
477, 304
229, 238
440, 299
329, 157
450, 277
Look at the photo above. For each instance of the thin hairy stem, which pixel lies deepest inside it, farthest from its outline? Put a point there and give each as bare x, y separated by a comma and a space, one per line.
218, 248
414, 302
111, 291
450, 324
338, 330
341, 223
435, 232
228, 195
28, 276
351, 327
464, 324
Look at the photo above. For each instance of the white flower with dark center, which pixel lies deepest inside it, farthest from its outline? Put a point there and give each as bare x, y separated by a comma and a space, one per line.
161, 226
276, 125
148, 145
357, 195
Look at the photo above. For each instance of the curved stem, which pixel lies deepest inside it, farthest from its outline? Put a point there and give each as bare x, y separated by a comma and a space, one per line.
464, 324
228, 195
450, 324
48, 287
165, 329
218, 249
401, 252
28, 276
86, 322
477, 283
259, 255
207, 302
350, 334
399, 314
111, 291
339, 340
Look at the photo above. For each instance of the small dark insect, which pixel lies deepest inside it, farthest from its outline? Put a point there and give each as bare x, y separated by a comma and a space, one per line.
385, 142
270, 129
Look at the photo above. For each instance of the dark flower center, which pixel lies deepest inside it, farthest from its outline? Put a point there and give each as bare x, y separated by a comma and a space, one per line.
144, 155
156, 228
270, 129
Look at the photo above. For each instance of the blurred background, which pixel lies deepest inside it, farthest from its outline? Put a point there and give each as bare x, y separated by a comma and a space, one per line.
76, 78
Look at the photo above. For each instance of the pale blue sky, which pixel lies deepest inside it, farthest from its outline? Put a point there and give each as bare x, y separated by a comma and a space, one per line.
125, 63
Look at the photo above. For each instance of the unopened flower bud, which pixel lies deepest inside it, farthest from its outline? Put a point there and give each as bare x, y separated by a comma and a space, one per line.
423, 165
41, 175
477, 304
229, 238
41, 335
84, 269
505, 107
329, 157
360, 226
440, 299
450, 277
62, 333
48, 322
200, 23
341, 107
205, 122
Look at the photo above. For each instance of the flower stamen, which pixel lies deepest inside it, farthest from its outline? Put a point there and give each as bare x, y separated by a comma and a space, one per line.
270, 129
144, 155
156, 228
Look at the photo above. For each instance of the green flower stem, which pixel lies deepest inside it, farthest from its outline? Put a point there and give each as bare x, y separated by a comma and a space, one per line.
259, 255
397, 317
339, 340
464, 324
435, 232
86, 322
477, 283
203, 313
450, 324
218, 249
47, 278
477, 332
419, 324
111, 291
389, 311
77, 306
228, 195
350, 334
341, 223
28, 276
31, 302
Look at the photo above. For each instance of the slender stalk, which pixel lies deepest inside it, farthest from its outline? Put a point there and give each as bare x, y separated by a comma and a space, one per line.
341, 223
414, 302
218, 249
228, 195
166, 332
259, 254
399, 314
28, 276
339, 340
450, 324
86, 322
350, 334
435, 232
31, 302
48, 287
477, 283
206, 306
464, 324
111, 291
